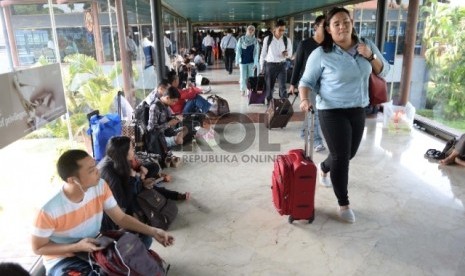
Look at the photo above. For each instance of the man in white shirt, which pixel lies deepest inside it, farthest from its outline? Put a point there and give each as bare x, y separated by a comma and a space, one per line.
208, 42
273, 60
200, 62
147, 43
167, 42
228, 46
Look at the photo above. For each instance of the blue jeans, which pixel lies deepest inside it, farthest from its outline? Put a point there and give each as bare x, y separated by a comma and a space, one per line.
146, 240
77, 264
196, 105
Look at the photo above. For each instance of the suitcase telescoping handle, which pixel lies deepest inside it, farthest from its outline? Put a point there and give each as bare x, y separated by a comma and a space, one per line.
120, 94
309, 133
89, 115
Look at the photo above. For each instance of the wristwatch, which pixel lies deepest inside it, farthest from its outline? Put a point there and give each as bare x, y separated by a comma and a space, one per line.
372, 57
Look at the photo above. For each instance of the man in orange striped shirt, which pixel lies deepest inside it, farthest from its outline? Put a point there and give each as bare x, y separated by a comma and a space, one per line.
68, 223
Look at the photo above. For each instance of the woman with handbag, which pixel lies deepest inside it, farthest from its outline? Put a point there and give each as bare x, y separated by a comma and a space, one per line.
126, 183
339, 70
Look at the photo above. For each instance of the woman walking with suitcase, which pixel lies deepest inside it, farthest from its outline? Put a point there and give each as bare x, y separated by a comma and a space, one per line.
247, 57
339, 71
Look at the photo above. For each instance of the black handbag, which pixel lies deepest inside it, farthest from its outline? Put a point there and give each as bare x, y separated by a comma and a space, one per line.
158, 211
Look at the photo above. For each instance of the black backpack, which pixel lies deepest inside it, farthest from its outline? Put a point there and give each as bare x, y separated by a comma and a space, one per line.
270, 38
141, 113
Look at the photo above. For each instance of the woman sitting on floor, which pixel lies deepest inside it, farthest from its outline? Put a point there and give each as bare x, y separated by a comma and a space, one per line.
457, 156
126, 183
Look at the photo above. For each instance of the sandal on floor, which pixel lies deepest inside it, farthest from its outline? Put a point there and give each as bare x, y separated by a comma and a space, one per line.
449, 147
435, 154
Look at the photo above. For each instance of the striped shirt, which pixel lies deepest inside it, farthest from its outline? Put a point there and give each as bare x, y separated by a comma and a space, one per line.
66, 222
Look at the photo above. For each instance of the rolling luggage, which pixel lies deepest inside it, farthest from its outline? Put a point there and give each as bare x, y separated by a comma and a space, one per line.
294, 180
279, 113
102, 128
256, 89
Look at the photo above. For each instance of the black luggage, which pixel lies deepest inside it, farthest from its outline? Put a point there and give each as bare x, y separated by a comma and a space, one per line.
191, 122
256, 88
155, 143
279, 113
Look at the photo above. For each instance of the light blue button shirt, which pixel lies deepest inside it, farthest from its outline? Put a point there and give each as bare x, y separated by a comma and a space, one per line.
340, 79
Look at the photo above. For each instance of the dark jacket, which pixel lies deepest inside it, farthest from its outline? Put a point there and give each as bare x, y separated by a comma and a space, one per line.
125, 197
304, 50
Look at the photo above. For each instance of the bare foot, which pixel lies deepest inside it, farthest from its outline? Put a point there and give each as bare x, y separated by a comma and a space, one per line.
166, 177
184, 196
447, 161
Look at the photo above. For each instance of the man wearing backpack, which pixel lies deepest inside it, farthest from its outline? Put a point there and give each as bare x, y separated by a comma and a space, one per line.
276, 49
69, 222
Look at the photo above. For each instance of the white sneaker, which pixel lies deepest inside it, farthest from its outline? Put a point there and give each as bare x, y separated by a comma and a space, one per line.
319, 148
347, 215
325, 181
207, 90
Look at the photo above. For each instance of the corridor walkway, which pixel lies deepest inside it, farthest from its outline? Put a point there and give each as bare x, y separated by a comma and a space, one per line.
409, 211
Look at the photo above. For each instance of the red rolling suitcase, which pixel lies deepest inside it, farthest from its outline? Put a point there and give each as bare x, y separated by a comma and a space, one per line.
294, 180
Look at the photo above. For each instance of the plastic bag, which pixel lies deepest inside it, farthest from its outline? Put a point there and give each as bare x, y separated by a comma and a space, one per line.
398, 118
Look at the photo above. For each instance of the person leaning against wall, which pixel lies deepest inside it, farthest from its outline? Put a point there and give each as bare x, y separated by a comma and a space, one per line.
304, 50
247, 57
340, 68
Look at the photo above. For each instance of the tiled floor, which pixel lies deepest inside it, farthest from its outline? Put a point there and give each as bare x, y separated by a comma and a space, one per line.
409, 211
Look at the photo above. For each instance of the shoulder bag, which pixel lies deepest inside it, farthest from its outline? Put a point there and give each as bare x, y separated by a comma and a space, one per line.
158, 211
377, 90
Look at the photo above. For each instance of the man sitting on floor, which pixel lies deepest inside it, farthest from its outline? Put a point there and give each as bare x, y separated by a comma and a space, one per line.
69, 222
161, 119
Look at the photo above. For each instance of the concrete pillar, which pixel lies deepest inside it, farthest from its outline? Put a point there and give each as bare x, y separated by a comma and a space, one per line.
126, 63
157, 28
409, 48
97, 34
381, 13
11, 36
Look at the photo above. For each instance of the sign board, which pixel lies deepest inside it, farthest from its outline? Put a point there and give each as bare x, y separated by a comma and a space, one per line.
29, 99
